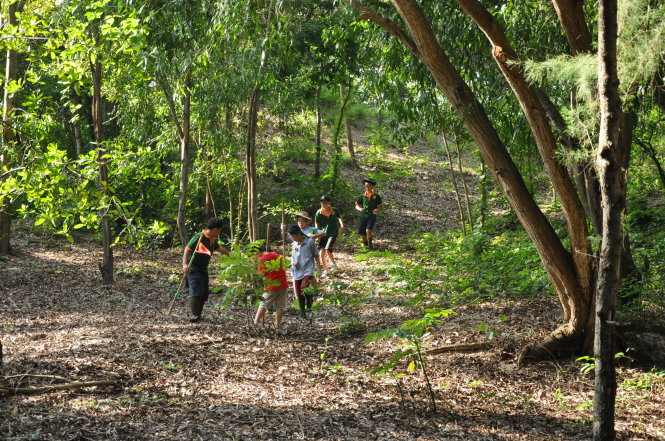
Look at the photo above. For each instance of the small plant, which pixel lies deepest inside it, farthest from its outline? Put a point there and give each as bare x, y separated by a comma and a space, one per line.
410, 334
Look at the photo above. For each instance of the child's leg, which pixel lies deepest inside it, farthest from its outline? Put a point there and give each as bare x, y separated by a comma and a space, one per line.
324, 263
258, 318
297, 289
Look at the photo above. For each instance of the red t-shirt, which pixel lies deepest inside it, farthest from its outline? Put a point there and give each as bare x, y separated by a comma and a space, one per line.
271, 265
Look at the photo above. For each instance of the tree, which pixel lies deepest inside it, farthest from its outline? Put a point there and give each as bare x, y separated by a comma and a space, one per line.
8, 137
611, 166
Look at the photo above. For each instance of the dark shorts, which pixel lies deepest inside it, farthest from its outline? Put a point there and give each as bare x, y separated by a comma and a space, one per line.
198, 284
327, 242
366, 223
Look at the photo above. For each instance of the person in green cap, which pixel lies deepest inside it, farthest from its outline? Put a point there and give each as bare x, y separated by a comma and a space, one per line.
369, 205
195, 261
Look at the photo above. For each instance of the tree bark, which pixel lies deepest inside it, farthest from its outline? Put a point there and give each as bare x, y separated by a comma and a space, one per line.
106, 267
610, 160
8, 137
571, 17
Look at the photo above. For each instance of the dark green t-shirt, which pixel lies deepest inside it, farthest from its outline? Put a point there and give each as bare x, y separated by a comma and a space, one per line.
329, 224
369, 205
201, 257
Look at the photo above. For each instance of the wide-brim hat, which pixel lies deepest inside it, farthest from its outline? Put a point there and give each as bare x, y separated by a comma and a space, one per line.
369, 181
303, 214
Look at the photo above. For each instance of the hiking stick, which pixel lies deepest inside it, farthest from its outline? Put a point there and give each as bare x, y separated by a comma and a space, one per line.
182, 281
283, 231
268, 238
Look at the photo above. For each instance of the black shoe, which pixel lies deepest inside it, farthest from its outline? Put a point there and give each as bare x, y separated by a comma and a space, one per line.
194, 318
303, 314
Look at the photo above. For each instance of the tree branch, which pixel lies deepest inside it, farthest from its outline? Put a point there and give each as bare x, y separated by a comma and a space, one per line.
385, 23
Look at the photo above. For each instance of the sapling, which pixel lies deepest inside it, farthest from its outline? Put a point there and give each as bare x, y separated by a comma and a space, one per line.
411, 335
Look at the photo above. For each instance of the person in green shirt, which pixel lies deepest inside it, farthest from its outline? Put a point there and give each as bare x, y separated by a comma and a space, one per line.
195, 260
330, 221
369, 205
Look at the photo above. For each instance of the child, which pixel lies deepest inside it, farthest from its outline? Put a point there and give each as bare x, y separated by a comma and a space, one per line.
303, 220
271, 266
368, 205
329, 220
200, 247
303, 259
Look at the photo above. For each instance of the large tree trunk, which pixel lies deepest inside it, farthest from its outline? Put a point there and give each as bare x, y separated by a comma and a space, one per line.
106, 267
561, 267
611, 159
8, 138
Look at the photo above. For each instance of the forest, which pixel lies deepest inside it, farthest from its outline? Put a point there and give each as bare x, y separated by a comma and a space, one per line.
511, 287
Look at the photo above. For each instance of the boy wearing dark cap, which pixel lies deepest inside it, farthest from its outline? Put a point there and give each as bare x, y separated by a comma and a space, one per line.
200, 247
369, 205
330, 221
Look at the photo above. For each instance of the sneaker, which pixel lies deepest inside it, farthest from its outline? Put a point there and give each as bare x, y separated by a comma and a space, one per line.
324, 274
333, 267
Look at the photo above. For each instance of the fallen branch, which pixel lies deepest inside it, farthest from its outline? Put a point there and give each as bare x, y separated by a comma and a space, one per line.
459, 348
50, 377
54, 387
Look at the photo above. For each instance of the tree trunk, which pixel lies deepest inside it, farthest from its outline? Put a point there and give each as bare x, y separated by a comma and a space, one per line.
466, 188
250, 166
76, 125
454, 179
106, 267
8, 138
610, 160
184, 158
347, 124
317, 163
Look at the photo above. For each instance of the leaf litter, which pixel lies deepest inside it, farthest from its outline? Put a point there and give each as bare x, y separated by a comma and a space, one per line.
219, 380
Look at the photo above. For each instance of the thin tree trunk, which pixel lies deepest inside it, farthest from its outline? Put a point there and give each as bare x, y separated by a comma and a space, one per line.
76, 124
8, 137
184, 158
466, 188
454, 179
250, 166
106, 267
337, 155
317, 163
347, 124
609, 163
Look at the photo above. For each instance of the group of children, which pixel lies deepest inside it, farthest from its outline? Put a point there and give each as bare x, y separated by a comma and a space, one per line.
312, 246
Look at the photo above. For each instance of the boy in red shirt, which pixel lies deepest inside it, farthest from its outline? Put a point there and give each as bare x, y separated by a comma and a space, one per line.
271, 265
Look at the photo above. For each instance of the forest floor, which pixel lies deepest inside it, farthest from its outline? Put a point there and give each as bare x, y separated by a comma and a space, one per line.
222, 380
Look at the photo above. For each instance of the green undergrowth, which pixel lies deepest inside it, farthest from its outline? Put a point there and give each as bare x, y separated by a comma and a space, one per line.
450, 269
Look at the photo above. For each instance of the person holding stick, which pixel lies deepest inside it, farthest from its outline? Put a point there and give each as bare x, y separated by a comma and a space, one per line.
303, 258
195, 260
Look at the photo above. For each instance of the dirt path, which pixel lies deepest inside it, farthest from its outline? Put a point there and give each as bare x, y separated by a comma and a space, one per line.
219, 380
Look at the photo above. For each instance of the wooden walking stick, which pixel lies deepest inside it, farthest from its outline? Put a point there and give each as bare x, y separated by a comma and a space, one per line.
268, 238
182, 281
283, 232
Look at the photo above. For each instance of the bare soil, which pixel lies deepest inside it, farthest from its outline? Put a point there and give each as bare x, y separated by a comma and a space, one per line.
222, 380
